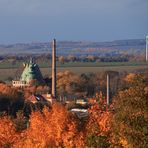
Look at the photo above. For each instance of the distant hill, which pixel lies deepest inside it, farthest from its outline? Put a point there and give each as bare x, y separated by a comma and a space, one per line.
130, 46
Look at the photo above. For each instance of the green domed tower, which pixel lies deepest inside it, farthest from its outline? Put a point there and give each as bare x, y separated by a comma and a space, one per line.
31, 73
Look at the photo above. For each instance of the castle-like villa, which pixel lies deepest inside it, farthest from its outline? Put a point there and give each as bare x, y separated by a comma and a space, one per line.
31, 75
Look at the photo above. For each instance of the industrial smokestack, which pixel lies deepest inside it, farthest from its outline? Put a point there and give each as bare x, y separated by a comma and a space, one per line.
54, 68
108, 90
146, 52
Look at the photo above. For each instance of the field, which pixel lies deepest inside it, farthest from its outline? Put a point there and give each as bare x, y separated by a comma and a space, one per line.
47, 63
8, 72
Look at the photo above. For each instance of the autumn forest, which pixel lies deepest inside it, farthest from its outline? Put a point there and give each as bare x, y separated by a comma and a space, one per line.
123, 123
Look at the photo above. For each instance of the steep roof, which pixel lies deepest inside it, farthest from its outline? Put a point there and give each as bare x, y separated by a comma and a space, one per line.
31, 72
36, 98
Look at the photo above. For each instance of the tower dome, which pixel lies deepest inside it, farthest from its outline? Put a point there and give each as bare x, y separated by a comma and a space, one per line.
31, 72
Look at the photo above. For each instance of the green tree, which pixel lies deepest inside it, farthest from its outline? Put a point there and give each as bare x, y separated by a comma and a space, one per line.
130, 121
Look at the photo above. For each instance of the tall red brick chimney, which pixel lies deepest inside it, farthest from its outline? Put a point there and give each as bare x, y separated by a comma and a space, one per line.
54, 68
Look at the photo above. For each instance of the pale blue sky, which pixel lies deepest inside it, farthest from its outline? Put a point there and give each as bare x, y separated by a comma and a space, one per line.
86, 20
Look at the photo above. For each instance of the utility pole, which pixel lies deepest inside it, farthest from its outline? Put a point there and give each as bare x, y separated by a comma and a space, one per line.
54, 68
108, 90
146, 52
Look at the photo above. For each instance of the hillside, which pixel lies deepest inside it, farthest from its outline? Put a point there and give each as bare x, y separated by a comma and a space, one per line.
117, 47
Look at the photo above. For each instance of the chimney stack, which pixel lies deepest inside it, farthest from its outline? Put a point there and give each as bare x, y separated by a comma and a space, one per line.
108, 90
54, 68
146, 52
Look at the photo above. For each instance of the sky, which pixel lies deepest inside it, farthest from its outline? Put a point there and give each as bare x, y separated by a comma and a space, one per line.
86, 20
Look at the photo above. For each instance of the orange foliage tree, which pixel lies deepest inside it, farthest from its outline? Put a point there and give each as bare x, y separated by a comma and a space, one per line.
11, 99
8, 135
98, 127
8, 91
55, 128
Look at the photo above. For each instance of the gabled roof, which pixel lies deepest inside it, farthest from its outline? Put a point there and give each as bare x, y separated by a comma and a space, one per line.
36, 98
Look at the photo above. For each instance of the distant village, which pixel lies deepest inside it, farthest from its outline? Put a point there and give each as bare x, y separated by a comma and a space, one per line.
74, 110
32, 76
